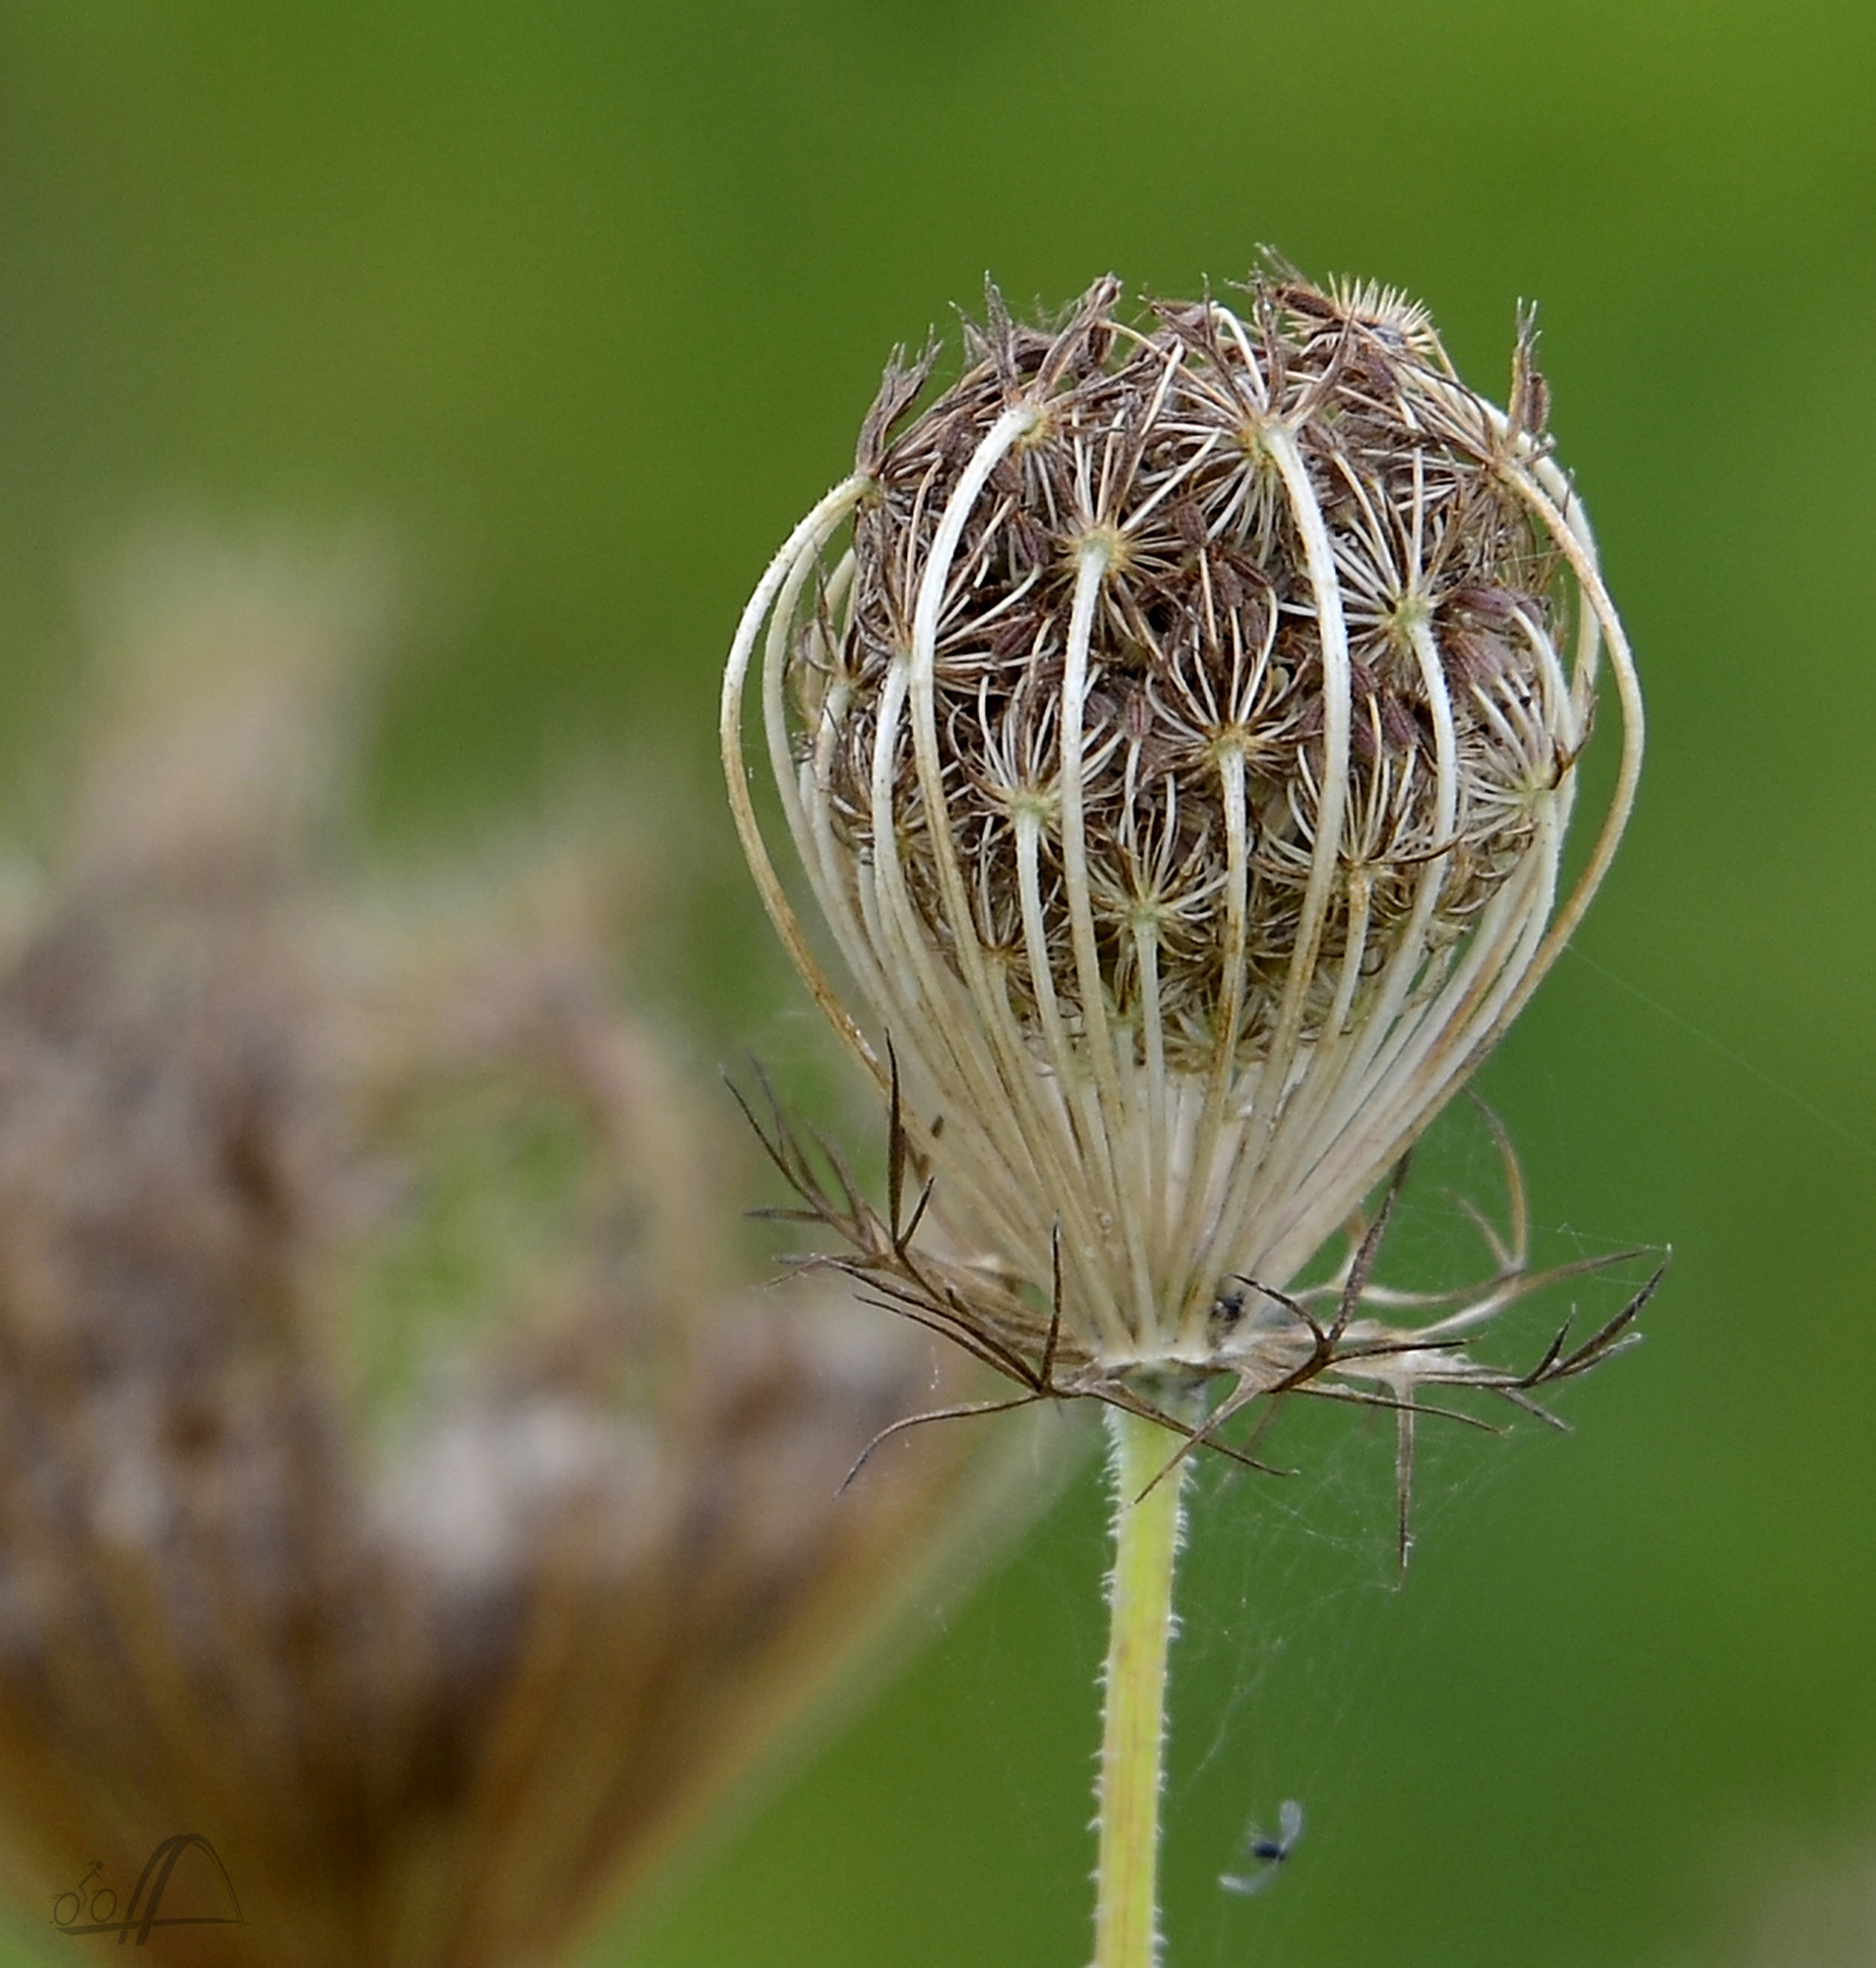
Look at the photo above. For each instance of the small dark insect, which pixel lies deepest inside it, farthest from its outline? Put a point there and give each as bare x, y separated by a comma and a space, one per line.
1228, 1308
1266, 1853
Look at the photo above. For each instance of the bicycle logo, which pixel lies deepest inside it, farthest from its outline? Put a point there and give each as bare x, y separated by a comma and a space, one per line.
91, 1907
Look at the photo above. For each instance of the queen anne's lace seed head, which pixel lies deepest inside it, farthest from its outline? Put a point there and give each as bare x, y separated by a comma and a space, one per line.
1180, 752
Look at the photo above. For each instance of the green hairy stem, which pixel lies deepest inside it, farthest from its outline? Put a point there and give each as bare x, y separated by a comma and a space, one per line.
1147, 1523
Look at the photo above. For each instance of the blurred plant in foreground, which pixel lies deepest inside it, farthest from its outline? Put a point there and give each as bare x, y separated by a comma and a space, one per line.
1177, 723
1780, 1902
437, 1685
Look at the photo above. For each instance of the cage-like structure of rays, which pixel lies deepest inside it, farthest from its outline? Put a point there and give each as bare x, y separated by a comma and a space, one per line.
1178, 723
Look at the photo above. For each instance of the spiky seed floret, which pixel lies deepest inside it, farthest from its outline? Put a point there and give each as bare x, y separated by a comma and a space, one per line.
1205, 652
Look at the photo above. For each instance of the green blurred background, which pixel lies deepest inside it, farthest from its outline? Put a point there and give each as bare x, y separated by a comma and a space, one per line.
582, 302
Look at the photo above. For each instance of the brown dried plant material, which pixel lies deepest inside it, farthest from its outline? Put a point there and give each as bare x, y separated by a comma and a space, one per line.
434, 1693
1177, 720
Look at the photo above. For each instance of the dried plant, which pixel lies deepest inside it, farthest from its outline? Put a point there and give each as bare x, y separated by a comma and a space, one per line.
1781, 1900
435, 1688
1177, 723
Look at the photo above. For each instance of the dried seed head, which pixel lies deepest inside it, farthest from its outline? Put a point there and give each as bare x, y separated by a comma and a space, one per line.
1180, 752
432, 1698
1201, 718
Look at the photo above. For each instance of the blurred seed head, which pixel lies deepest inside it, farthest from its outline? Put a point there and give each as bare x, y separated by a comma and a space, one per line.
1177, 721
435, 1681
1782, 1901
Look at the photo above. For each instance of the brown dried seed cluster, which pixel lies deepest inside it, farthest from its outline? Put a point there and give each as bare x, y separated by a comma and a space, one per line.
433, 1692
1206, 654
